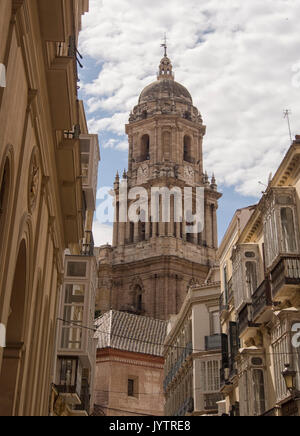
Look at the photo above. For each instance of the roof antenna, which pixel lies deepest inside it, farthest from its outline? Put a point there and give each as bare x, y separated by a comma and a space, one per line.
287, 114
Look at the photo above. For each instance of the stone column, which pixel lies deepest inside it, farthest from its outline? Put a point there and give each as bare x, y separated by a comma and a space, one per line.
215, 227
208, 225
161, 224
171, 226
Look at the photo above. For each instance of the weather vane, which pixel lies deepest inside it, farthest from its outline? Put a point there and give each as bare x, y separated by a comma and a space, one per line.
164, 45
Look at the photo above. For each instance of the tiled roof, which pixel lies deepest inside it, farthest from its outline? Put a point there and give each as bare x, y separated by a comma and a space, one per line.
133, 333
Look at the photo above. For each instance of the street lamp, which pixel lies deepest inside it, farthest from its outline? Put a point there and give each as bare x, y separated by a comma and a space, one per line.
289, 378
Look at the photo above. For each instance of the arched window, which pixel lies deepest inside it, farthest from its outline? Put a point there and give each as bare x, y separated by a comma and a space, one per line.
142, 225
145, 148
138, 298
187, 153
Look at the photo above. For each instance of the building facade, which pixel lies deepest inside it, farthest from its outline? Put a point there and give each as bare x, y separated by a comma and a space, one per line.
75, 357
193, 353
229, 325
152, 263
266, 284
130, 365
42, 207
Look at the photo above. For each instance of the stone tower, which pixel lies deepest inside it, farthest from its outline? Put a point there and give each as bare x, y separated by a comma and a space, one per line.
151, 265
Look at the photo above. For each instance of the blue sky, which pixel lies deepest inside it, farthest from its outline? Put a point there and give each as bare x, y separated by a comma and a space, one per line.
239, 60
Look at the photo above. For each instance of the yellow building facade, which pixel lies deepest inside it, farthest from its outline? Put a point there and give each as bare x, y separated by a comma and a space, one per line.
42, 207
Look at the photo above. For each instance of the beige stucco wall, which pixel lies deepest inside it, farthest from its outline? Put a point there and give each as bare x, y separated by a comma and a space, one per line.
32, 216
111, 384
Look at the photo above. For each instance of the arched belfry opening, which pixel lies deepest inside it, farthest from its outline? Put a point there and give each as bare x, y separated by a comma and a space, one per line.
138, 299
187, 149
145, 148
13, 355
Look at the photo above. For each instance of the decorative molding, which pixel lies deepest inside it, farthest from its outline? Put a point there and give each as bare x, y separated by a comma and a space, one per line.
34, 180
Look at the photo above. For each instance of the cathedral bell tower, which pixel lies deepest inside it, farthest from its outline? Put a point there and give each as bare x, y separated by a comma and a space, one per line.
151, 265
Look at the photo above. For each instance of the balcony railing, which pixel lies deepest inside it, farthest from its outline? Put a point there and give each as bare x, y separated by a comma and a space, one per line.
232, 368
85, 398
213, 342
245, 318
261, 299
187, 407
210, 401
285, 273
88, 244
69, 379
175, 368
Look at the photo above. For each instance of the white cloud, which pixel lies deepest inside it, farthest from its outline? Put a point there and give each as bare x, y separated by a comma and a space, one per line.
115, 144
103, 234
114, 124
239, 60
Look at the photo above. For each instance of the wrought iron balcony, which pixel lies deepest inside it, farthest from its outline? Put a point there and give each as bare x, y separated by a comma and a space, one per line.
285, 276
261, 299
213, 342
210, 401
88, 244
175, 368
223, 379
69, 376
245, 318
186, 407
232, 368
85, 398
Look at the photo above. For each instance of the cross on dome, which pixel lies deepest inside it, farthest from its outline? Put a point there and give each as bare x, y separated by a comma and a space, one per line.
165, 67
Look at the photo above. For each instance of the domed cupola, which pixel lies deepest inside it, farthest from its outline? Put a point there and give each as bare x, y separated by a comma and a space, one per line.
165, 96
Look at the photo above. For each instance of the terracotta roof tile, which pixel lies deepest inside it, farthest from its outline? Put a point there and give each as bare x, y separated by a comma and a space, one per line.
133, 333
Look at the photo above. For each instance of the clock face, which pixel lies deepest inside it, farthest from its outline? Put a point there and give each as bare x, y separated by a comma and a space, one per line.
189, 173
143, 173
